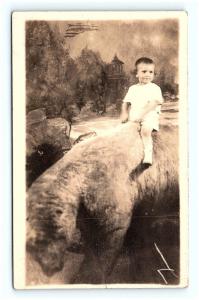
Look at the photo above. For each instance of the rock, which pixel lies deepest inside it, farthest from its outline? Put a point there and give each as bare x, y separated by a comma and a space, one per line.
36, 116
41, 130
46, 142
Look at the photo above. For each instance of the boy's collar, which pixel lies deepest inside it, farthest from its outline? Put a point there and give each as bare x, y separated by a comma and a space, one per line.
144, 84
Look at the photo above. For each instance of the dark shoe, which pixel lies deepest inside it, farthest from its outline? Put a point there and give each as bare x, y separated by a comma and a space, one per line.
146, 165
139, 170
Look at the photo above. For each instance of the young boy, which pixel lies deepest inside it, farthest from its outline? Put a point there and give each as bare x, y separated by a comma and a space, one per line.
145, 99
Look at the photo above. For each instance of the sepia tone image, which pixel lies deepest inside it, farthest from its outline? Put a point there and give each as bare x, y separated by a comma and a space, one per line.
102, 156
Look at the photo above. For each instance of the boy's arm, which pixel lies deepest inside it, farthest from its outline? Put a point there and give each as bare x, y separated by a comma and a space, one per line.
124, 112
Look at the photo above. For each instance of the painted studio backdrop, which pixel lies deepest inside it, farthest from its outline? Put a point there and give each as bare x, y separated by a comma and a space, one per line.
93, 216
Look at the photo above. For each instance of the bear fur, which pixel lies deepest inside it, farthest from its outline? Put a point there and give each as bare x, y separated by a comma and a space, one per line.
89, 197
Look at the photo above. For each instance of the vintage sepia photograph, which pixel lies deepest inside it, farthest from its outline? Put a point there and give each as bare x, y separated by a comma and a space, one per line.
99, 149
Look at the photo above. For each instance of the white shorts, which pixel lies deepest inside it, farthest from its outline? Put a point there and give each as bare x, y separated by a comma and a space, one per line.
152, 123
151, 120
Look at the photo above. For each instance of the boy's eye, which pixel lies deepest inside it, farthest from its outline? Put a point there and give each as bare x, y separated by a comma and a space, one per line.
151, 72
144, 71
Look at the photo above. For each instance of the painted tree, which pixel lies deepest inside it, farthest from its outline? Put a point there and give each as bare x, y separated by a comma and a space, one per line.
91, 83
47, 67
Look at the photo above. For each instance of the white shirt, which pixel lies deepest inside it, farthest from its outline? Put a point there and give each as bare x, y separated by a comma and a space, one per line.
139, 95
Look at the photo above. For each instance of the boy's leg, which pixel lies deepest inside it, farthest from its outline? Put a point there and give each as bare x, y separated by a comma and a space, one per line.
146, 130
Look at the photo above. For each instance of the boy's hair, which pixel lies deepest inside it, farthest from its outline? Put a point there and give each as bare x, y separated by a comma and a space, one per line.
144, 60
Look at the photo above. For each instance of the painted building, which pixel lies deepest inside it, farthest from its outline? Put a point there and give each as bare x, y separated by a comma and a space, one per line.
117, 80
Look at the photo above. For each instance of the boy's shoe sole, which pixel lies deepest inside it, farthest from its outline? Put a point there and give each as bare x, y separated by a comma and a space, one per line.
139, 170
147, 164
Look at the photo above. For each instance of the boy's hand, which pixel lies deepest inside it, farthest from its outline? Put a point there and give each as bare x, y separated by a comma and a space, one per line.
124, 118
139, 120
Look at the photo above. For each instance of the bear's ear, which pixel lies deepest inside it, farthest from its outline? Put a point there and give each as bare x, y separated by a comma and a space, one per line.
31, 236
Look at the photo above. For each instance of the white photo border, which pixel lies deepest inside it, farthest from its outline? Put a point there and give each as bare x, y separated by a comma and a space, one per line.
6, 289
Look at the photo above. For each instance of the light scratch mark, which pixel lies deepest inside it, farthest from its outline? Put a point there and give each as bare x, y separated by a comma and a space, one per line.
166, 264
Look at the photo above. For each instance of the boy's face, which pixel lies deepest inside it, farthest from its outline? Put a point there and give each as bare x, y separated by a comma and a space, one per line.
145, 73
